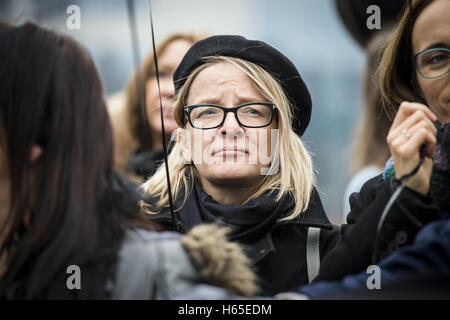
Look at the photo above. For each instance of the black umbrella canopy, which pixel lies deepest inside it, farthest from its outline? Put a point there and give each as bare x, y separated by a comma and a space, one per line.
353, 14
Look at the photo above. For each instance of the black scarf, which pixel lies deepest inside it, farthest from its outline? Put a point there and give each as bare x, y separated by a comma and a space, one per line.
145, 162
248, 222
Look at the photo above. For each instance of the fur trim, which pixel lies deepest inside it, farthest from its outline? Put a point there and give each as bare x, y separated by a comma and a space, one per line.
220, 262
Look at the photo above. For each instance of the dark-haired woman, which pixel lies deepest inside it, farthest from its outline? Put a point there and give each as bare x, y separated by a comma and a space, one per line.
415, 88
66, 208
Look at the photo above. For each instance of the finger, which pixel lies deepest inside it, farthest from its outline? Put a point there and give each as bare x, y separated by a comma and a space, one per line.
396, 144
419, 106
417, 117
408, 108
413, 121
425, 125
412, 147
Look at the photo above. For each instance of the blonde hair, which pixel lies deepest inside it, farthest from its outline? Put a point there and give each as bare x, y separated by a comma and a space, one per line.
296, 174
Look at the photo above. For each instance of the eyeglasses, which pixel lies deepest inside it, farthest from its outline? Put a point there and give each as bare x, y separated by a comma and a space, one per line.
433, 63
211, 116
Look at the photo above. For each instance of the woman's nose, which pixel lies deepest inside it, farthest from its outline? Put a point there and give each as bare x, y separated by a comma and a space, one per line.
230, 125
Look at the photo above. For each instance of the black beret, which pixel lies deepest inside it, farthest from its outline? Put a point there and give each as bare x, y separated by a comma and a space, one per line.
260, 53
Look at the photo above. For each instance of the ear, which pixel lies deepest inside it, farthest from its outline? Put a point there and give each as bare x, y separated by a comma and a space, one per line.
36, 152
185, 143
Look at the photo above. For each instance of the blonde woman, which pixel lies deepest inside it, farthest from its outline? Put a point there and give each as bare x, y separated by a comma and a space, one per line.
239, 161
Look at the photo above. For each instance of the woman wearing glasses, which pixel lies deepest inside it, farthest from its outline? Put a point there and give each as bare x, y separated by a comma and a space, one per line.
239, 161
415, 88
415, 84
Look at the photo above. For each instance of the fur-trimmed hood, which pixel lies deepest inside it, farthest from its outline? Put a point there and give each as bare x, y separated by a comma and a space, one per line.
220, 262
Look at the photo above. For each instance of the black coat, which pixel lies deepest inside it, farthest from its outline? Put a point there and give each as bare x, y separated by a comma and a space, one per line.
279, 255
144, 163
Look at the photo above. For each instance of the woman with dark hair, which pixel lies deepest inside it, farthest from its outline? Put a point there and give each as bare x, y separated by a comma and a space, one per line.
414, 77
66, 205
415, 87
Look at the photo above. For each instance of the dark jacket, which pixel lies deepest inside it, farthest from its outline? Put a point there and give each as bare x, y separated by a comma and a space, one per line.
359, 245
144, 163
279, 255
424, 264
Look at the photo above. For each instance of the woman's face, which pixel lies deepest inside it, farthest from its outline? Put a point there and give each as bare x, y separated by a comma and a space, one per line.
231, 154
432, 30
167, 63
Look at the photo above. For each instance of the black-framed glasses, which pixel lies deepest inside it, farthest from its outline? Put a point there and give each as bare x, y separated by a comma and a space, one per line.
432, 63
211, 116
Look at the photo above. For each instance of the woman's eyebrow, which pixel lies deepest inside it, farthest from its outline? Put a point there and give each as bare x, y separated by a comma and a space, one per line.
217, 99
436, 45
211, 99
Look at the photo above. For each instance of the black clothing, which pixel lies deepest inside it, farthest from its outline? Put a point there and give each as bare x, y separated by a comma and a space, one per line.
358, 240
278, 249
144, 163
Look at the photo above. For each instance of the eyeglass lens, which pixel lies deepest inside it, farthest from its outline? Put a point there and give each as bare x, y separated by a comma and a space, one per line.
254, 115
434, 63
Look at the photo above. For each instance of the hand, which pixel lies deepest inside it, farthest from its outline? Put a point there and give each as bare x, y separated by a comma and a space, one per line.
412, 128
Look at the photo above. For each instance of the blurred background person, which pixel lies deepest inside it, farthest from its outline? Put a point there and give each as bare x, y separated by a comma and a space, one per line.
138, 141
370, 150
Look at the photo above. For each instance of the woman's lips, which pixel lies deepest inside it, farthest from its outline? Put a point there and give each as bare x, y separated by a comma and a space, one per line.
230, 150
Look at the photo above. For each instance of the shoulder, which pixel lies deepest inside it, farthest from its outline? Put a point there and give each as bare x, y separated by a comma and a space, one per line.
152, 265
357, 181
369, 191
360, 178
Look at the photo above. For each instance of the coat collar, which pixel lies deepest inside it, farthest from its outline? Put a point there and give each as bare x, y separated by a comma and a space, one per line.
313, 216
